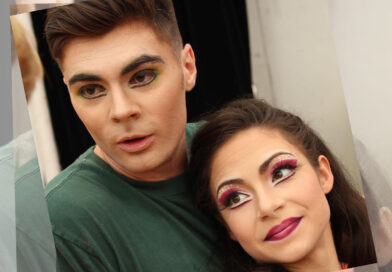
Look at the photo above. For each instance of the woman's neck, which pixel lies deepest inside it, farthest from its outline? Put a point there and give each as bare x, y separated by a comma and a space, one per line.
322, 258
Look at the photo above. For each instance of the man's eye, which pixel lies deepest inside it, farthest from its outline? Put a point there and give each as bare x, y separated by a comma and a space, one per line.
236, 199
92, 91
142, 78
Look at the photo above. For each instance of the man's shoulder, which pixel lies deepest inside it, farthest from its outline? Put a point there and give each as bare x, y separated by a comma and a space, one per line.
75, 185
74, 197
87, 180
192, 128
80, 169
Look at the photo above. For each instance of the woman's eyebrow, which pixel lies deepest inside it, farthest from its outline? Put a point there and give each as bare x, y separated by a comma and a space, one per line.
230, 181
264, 166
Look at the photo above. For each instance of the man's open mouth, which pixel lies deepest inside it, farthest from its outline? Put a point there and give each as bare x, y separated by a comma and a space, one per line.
136, 144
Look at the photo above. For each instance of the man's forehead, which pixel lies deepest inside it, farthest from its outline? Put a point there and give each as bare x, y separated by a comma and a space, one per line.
118, 35
116, 48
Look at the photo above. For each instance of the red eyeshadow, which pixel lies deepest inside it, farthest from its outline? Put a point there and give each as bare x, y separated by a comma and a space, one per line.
291, 162
223, 197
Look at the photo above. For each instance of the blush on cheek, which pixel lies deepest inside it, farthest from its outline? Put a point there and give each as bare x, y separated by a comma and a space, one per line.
241, 223
311, 191
322, 213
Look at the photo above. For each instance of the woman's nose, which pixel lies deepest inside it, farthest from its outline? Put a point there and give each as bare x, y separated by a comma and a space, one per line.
268, 202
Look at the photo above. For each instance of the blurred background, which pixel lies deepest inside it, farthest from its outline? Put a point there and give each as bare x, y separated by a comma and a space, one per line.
328, 61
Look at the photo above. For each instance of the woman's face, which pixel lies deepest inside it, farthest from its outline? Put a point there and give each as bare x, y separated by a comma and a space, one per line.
271, 198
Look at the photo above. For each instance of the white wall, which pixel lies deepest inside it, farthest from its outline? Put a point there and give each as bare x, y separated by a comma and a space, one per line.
303, 69
362, 32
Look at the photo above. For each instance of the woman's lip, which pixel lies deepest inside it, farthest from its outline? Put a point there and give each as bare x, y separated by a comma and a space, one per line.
136, 144
284, 229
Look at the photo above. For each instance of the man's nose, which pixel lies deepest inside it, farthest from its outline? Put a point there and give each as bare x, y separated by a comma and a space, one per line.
268, 202
123, 105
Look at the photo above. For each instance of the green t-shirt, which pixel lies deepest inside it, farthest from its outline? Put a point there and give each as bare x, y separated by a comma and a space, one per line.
104, 221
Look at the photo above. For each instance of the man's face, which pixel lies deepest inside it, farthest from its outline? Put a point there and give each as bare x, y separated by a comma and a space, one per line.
128, 88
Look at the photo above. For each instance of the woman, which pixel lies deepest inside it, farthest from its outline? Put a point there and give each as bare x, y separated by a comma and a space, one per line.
277, 192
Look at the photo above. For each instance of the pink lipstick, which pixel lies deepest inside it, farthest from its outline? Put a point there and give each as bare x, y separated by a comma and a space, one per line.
135, 144
284, 229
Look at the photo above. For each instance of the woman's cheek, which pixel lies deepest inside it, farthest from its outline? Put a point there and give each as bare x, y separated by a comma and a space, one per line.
240, 222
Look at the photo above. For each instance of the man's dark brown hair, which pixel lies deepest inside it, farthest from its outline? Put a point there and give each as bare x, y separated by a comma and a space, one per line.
93, 18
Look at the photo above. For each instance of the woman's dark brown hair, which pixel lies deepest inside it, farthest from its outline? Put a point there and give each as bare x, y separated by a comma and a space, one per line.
349, 220
93, 18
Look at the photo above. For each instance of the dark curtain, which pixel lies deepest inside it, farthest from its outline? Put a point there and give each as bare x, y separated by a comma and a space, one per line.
218, 33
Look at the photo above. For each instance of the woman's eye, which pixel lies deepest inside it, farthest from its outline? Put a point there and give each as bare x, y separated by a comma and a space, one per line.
282, 173
92, 91
236, 199
142, 78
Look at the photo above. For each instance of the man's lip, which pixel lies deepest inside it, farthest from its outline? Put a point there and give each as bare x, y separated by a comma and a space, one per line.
282, 230
133, 137
135, 144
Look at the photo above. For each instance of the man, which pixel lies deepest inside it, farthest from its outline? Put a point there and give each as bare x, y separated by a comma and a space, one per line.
125, 205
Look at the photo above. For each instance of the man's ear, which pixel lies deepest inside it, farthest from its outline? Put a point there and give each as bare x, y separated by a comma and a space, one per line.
189, 67
325, 174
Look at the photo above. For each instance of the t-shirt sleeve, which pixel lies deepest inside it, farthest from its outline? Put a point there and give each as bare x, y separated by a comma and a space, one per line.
72, 257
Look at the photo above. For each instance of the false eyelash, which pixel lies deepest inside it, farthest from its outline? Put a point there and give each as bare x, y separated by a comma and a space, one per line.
222, 198
284, 166
288, 163
229, 196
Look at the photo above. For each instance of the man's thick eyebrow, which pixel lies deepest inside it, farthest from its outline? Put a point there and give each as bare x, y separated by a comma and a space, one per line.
264, 166
139, 61
130, 67
83, 77
227, 182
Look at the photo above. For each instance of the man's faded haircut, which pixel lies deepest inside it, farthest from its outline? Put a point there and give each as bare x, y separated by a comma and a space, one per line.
93, 18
